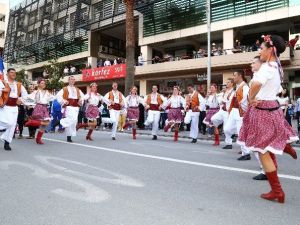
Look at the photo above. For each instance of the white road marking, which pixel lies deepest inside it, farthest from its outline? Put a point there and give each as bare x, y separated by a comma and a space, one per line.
171, 159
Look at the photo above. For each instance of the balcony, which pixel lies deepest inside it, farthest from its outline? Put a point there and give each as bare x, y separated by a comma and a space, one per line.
192, 66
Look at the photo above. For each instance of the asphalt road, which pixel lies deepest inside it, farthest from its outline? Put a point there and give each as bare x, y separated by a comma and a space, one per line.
141, 182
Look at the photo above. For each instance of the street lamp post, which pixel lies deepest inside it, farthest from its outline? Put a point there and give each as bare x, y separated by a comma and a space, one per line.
208, 44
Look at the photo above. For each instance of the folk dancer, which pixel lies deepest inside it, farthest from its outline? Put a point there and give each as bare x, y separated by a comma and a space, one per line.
213, 105
176, 103
133, 113
154, 103
259, 132
222, 115
115, 101
71, 98
29, 107
11, 93
40, 116
193, 107
238, 106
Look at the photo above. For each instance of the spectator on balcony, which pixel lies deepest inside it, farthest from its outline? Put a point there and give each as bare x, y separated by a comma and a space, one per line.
119, 61
107, 63
292, 44
155, 60
256, 46
115, 61
100, 63
66, 70
141, 60
45, 73
220, 51
215, 51
200, 53
73, 70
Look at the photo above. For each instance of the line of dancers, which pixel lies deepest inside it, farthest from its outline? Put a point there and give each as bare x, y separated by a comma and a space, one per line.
249, 110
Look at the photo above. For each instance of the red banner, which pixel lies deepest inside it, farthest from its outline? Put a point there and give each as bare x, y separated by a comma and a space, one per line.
104, 73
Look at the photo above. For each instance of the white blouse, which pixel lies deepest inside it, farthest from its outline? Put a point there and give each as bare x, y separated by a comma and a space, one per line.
212, 101
134, 100
269, 77
41, 97
176, 102
93, 99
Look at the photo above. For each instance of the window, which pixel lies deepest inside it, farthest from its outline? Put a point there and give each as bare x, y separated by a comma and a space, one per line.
102, 10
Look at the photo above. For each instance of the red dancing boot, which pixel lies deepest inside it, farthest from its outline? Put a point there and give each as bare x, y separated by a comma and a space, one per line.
176, 135
167, 127
134, 134
273, 157
89, 135
33, 123
217, 140
276, 192
289, 150
81, 125
126, 126
39, 138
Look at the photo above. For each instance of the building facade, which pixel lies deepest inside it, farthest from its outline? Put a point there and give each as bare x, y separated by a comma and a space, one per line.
4, 15
170, 34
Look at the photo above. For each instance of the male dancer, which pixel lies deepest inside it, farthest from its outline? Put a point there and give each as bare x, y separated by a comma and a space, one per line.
115, 101
154, 103
222, 115
238, 106
193, 100
71, 98
10, 98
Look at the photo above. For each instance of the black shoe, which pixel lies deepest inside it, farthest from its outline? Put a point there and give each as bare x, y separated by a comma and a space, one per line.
260, 176
6, 146
113, 138
194, 141
69, 139
244, 157
227, 147
154, 137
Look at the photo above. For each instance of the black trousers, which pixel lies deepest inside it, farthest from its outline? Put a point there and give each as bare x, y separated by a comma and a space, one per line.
21, 118
202, 126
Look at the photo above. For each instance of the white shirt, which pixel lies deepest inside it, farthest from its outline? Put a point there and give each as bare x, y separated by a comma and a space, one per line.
154, 98
107, 63
141, 60
40, 97
66, 70
14, 90
269, 77
244, 103
227, 97
117, 99
283, 102
176, 102
73, 69
212, 101
93, 99
72, 95
134, 100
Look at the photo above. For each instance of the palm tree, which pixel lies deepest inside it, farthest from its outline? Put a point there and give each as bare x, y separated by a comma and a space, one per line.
130, 45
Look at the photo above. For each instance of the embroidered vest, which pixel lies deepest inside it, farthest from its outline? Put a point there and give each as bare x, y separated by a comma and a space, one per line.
5, 95
66, 93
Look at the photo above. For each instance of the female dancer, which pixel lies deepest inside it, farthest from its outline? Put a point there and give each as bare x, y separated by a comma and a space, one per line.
264, 128
92, 112
175, 116
133, 113
40, 115
213, 106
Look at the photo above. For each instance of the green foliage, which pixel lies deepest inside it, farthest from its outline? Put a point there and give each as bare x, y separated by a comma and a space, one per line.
54, 75
23, 78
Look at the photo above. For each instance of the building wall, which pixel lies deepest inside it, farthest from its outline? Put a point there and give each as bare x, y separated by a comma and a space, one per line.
4, 15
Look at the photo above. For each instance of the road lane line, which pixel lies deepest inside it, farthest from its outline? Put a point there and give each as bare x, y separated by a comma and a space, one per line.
171, 159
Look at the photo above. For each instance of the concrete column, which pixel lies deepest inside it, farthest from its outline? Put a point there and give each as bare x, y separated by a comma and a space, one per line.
147, 54
29, 75
228, 39
143, 87
92, 61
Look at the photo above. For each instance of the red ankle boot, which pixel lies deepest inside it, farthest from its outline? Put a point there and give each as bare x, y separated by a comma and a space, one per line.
276, 192
289, 150
217, 140
133, 133
176, 135
39, 138
89, 135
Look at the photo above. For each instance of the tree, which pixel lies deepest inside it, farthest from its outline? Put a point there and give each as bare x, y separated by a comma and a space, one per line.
55, 75
23, 78
130, 45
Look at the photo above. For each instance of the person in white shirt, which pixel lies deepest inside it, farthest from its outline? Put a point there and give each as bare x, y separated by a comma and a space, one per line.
11, 97
264, 128
154, 103
40, 116
194, 102
212, 102
133, 113
176, 103
107, 63
66, 70
73, 70
71, 98
92, 112
222, 115
141, 60
115, 101
238, 107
